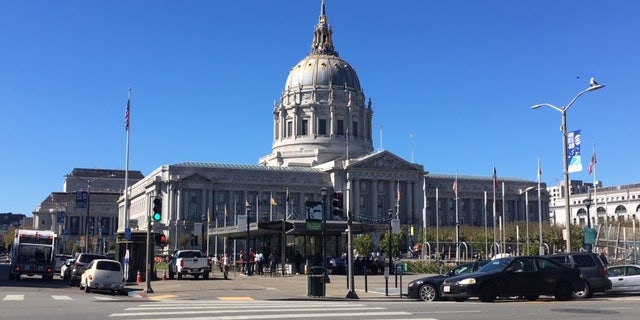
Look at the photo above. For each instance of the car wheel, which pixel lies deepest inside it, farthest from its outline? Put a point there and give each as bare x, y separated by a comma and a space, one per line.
428, 293
583, 294
488, 292
87, 289
205, 276
564, 291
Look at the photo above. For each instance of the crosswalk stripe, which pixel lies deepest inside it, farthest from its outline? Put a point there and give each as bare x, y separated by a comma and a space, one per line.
13, 297
61, 298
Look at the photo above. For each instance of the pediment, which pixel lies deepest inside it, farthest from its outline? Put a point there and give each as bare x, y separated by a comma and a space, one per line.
195, 178
383, 160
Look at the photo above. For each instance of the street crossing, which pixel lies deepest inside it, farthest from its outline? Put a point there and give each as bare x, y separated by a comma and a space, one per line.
240, 310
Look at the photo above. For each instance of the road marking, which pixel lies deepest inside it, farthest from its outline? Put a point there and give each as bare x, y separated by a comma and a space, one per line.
61, 298
13, 297
162, 297
235, 298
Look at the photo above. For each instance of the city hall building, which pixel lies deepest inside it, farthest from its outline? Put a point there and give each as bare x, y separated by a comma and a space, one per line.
322, 139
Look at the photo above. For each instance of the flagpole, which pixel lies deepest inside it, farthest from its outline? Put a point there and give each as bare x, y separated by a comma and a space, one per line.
437, 224
455, 191
486, 233
595, 180
126, 166
540, 248
504, 223
495, 207
284, 235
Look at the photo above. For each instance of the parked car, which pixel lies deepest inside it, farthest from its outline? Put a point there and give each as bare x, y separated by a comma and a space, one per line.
103, 274
65, 270
624, 278
80, 264
189, 262
60, 260
593, 270
428, 288
524, 276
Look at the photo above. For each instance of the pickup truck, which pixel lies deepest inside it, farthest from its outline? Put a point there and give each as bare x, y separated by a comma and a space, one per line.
189, 262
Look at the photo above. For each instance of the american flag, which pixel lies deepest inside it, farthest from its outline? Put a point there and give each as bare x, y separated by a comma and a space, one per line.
127, 115
592, 165
455, 186
495, 178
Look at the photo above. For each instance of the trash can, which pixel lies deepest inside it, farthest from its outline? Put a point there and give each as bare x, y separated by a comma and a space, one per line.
315, 282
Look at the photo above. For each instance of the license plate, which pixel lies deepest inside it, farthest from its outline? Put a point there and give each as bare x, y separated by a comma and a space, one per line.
446, 289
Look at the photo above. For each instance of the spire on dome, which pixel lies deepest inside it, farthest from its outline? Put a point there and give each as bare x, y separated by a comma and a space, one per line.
322, 42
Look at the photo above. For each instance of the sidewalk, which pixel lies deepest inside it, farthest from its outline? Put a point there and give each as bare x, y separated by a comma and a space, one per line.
297, 287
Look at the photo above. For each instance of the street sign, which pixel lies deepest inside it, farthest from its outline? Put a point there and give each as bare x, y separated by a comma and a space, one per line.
590, 235
61, 217
127, 233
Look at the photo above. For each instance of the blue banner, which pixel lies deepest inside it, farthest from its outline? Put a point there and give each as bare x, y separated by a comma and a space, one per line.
573, 151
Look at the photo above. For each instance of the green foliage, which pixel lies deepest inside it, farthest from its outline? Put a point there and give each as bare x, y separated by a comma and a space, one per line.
398, 244
364, 243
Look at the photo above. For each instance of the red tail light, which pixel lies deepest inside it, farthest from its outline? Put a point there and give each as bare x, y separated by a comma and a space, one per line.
603, 272
182, 263
90, 277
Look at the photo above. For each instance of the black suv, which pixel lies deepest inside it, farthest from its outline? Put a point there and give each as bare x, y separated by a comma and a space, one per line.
80, 265
594, 271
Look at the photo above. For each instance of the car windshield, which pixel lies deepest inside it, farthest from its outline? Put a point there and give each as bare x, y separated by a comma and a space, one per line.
496, 265
108, 265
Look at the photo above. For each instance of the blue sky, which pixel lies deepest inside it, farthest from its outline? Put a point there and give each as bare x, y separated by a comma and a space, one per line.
460, 76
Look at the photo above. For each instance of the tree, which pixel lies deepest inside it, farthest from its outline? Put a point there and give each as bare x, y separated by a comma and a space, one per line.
398, 244
364, 243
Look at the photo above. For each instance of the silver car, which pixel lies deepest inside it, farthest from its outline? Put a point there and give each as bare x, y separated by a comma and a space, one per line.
624, 278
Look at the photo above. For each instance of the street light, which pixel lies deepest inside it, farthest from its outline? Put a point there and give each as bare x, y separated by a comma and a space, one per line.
593, 86
386, 282
587, 202
526, 212
541, 248
323, 192
86, 223
246, 251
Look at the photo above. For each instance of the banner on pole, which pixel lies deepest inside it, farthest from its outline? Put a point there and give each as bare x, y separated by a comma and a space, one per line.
573, 151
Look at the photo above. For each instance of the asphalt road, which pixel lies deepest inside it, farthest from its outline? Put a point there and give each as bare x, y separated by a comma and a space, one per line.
243, 297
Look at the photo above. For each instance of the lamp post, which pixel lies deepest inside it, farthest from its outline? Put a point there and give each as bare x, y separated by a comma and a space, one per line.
526, 213
246, 246
563, 128
86, 223
541, 248
386, 282
587, 202
323, 192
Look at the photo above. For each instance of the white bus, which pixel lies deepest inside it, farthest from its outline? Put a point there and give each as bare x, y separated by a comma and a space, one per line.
33, 252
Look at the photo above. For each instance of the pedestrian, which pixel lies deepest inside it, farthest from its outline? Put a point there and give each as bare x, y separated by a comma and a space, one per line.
273, 261
225, 265
260, 263
297, 260
243, 264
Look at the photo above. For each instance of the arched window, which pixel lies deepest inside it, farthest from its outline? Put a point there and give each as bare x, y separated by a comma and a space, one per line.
621, 209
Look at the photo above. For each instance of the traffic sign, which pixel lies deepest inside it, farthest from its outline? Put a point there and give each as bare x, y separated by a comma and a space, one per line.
127, 233
61, 217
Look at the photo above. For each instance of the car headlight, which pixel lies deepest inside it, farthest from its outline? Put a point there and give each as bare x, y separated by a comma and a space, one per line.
415, 283
467, 281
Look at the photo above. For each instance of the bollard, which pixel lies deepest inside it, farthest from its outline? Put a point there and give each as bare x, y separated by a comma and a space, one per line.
366, 282
138, 277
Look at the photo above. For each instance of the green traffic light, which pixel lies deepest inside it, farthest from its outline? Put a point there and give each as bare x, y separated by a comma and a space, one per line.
157, 216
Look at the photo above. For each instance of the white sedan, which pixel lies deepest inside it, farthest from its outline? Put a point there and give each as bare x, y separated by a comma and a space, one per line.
624, 278
103, 274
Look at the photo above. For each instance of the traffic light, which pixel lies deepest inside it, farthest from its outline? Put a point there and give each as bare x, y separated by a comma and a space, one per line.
163, 240
156, 238
157, 209
336, 203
